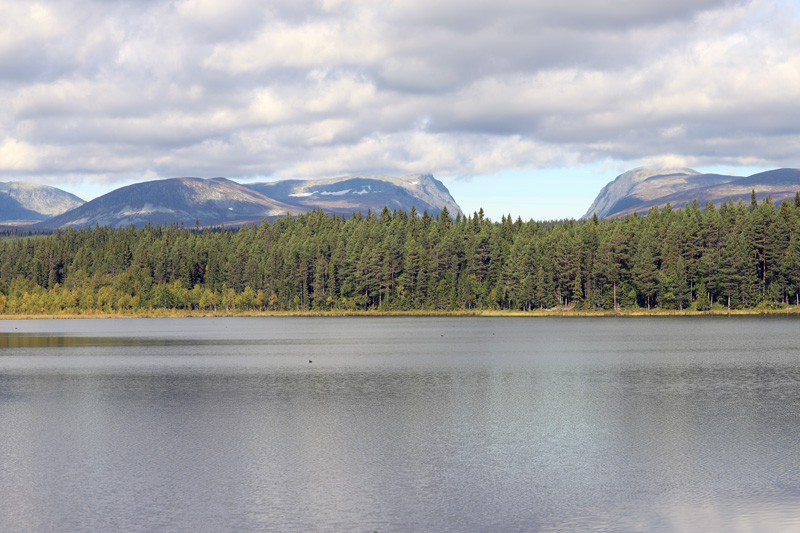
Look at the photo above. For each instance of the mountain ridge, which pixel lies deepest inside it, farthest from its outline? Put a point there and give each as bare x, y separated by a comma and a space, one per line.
631, 193
216, 201
22, 202
345, 193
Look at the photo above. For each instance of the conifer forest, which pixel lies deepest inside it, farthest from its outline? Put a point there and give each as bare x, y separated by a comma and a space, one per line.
739, 256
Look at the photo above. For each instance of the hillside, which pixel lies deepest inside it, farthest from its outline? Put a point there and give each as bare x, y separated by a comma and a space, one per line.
175, 200
21, 201
361, 193
638, 190
219, 201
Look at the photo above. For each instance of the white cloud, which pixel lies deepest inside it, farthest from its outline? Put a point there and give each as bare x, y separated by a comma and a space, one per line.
15, 155
312, 44
123, 90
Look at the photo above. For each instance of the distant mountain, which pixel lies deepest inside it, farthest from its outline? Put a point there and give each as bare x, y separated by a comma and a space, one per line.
219, 201
175, 200
21, 201
636, 191
346, 194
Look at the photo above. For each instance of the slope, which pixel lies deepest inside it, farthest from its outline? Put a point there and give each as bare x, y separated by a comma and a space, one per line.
22, 201
175, 200
347, 194
620, 198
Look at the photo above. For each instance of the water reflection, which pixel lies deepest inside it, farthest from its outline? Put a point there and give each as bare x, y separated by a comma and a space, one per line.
545, 425
35, 340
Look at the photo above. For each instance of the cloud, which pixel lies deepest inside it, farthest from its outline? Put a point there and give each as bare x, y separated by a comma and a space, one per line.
124, 90
16, 156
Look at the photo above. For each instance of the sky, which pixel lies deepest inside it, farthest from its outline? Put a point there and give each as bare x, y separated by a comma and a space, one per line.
522, 107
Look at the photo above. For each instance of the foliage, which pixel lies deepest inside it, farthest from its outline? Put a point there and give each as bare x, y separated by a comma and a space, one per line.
737, 256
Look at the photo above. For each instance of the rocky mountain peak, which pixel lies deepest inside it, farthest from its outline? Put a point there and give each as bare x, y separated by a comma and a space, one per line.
640, 189
626, 185
20, 200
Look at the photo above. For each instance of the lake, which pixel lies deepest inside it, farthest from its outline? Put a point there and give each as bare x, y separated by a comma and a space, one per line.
400, 424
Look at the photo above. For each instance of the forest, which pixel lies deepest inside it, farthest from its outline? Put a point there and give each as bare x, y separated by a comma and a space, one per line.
735, 256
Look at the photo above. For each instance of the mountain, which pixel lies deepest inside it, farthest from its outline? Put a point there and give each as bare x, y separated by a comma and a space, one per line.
21, 201
219, 201
637, 190
208, 201
346, 194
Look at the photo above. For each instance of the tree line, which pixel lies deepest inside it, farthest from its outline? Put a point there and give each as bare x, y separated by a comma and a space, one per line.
735, 255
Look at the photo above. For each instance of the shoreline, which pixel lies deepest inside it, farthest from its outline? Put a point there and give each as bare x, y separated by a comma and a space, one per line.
543, 313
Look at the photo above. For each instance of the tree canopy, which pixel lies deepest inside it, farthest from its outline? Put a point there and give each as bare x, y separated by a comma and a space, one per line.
736, 255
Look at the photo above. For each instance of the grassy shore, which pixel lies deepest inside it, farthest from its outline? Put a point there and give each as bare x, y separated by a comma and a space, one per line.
179, 313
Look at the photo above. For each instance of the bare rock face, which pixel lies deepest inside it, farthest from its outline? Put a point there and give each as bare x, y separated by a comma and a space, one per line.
219, 201
21, 201
638, 190
348, 194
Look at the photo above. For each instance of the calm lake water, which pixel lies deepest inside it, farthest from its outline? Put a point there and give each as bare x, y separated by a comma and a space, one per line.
400, 424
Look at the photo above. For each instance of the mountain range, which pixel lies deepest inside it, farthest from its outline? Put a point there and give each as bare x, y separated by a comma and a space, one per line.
638, 190
219, 201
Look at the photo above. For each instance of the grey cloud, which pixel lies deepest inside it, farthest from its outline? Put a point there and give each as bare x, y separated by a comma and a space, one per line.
469, 16
214, 21
625, 13
120, 90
